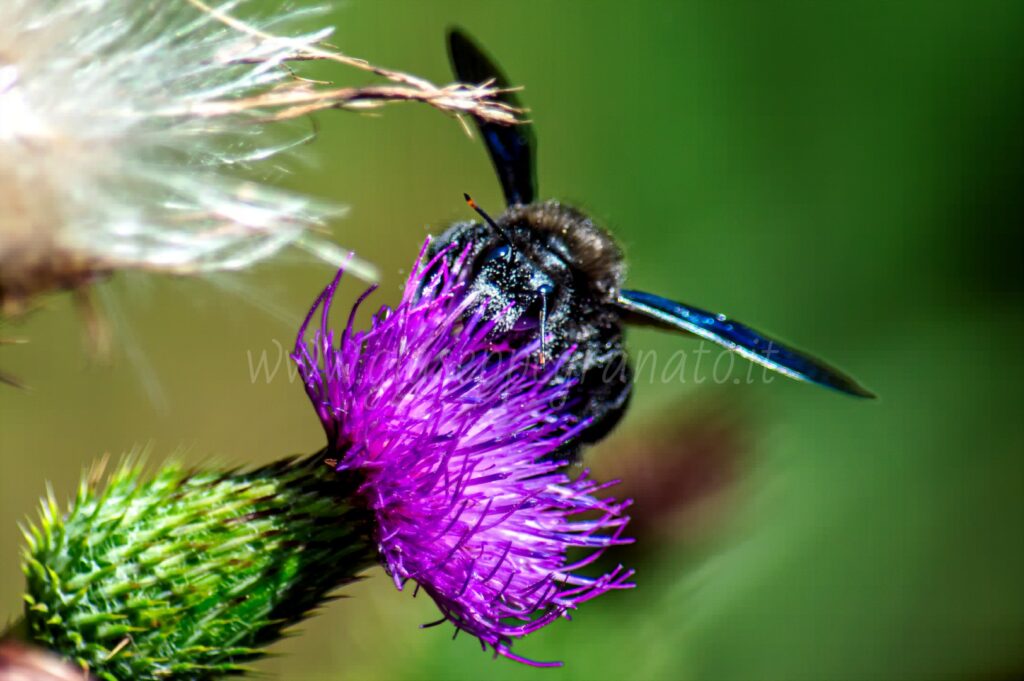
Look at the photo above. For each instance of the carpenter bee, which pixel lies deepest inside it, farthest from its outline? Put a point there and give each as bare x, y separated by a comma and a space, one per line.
548, 272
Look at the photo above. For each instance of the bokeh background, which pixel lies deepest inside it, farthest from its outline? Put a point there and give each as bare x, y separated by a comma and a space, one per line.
847, 175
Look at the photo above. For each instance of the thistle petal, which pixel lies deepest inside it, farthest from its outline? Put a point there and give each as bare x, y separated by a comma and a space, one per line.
456, 447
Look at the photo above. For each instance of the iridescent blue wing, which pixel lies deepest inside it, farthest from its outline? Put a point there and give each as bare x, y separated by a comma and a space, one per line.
512, 147
740, 339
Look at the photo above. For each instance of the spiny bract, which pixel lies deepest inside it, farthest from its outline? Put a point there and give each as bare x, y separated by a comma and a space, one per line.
186, 575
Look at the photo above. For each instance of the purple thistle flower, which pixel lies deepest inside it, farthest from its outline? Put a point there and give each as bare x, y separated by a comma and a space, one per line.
457, 449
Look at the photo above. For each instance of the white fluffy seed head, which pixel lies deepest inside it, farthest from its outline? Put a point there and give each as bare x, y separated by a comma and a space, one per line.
116, 154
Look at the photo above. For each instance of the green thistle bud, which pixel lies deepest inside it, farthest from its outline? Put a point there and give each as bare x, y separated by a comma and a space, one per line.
187, 575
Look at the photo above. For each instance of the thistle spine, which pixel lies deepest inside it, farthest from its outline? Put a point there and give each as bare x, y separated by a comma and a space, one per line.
188, 574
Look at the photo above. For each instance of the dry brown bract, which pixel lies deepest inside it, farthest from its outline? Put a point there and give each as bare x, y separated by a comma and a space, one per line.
20, 662
302, 96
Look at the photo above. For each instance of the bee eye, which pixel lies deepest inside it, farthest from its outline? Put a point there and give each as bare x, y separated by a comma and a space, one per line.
498, 253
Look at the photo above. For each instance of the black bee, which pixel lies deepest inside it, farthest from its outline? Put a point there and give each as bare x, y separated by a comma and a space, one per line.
548, 272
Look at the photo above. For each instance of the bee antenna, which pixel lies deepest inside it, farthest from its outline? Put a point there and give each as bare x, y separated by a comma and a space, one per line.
488, 219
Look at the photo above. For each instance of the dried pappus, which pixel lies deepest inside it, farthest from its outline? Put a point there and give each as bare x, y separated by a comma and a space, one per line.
120, 147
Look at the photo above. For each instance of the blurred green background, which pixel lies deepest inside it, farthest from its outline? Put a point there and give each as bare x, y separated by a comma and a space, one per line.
847, 175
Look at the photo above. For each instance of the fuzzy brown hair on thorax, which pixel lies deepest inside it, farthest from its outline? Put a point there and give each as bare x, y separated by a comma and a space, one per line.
591, 248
